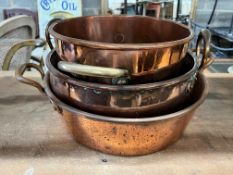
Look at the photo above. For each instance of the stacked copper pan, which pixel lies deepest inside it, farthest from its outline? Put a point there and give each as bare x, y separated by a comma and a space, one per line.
125, 85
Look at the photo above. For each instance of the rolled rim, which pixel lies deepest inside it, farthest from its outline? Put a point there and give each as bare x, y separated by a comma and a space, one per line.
133, 87
122, 46
179, 113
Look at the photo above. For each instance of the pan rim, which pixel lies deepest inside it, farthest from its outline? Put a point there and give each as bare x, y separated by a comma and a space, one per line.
114, 46
180, 113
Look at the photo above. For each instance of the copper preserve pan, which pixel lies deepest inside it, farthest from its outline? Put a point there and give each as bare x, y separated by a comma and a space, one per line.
133, 46
125, 100
126, 136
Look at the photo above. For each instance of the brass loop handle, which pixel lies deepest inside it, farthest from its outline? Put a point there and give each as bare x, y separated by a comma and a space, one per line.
203, 61
94, 71
51, 23
16, 47
20, 72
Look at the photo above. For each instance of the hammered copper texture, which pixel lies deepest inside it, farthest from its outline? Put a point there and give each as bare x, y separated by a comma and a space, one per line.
126, 139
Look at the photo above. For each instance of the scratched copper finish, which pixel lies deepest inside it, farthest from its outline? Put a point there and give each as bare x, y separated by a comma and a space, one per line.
127, 100
129, 136
139, 44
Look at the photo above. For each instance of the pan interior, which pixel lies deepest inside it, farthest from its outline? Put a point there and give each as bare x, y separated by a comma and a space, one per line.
122, 29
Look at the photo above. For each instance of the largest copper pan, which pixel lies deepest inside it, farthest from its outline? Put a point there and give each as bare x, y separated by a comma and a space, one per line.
126, 136
136, 44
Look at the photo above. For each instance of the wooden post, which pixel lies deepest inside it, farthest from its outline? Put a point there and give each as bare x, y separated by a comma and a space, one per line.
125, 6
178, 9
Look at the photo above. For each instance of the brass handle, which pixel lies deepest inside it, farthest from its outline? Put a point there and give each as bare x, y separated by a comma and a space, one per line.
204, 61
51, 23
95, 71
16, 47
21, 70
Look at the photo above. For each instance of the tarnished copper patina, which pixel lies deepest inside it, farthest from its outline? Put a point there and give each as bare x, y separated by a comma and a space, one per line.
138, 45
126, 100
129, 136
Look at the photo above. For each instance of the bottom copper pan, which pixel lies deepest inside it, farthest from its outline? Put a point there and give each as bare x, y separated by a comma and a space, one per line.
129, 136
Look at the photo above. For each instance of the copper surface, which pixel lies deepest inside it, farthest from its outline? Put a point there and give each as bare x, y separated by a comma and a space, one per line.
139, 44
129, 136
127, 100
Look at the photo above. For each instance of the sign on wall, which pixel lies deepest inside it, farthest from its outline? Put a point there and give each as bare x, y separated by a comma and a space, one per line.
49, 9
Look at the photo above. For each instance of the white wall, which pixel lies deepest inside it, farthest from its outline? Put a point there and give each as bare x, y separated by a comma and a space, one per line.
185, 7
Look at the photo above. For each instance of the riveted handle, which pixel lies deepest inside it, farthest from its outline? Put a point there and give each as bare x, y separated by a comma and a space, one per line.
20, 72
204, 60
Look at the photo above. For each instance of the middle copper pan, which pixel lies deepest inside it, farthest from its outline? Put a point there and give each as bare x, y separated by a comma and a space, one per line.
128, 100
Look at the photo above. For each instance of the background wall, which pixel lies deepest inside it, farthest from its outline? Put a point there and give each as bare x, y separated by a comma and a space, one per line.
90, 7
113, 4
185, 7
29, 4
